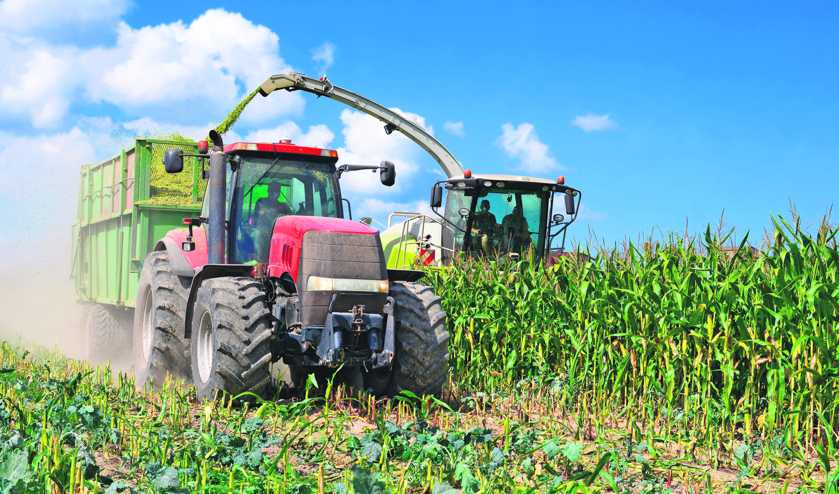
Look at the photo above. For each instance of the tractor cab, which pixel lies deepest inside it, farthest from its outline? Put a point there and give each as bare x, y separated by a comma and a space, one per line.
268, 181
503, 215
272, 180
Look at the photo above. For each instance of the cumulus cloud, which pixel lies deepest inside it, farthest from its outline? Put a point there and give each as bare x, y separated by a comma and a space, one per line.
365, 143
455, 128
28, 16
318, 136
324, 55
522, 144
594, 123
169, 69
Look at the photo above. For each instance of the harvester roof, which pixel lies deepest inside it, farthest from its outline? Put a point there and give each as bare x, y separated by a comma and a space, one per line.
469, 179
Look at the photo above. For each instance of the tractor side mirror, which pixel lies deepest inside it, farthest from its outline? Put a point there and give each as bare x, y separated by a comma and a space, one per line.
569, 204
436, 196
387, 173
173, 160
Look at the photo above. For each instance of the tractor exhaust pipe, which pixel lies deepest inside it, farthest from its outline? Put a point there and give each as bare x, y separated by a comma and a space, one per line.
217, 202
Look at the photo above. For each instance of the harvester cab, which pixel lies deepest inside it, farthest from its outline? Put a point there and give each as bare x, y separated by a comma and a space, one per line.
272, 271
503, 215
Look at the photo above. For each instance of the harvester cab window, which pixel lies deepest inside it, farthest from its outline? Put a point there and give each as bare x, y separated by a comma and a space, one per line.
269, 189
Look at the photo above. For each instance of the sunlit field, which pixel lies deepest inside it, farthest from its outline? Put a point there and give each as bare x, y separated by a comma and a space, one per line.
677, 366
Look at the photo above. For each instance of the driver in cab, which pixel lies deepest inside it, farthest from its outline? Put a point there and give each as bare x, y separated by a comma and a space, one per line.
266, 212
485, 228
515, 230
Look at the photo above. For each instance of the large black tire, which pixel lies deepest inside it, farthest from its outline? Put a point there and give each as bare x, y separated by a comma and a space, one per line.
104, 337
159, 346
231, 339
422, 344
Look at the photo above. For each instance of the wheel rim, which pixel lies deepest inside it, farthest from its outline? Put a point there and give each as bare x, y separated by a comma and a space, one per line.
148, 325
204, 348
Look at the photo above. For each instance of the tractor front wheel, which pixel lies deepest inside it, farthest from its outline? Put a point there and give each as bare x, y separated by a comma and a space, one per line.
422, 344
231, 333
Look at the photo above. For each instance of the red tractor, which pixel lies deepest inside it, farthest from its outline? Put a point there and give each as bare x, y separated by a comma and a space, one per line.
272, 271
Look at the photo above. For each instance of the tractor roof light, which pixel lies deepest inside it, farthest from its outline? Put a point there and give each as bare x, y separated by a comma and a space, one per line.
487, 184
203, 147
560, 180
467, 174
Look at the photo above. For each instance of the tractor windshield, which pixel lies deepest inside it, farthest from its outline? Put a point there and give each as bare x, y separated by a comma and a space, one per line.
266, 190
502, 220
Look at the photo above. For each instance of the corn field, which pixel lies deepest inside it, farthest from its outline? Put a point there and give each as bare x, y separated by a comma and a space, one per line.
728, 343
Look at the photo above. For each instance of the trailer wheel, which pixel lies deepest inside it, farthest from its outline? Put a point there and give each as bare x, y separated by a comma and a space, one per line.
422, 341
159, 348
231, 332
103, 337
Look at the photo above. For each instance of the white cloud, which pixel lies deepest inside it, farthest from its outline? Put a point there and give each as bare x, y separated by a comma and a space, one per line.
365, 143
27, 16
318, 136
324, 55
588, 214
169, 69
594, 123
455, 128
521, 143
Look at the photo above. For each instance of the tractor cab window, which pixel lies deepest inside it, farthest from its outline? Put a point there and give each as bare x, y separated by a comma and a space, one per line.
267, 190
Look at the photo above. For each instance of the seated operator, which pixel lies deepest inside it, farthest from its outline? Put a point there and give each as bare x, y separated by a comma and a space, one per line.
515, 231
266, 212
485, 228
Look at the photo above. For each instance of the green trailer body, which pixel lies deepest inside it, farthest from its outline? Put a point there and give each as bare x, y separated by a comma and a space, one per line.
126, 204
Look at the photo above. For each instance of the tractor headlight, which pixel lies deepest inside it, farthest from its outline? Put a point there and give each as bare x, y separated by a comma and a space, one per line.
317, 283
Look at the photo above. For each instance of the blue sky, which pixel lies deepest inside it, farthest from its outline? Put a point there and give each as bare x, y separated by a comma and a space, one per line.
658, 111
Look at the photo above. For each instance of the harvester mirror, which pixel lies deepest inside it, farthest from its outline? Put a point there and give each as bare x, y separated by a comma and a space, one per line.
569, 204
436, 196
558, 218
173, 160
387, 173
188, 246
463, 212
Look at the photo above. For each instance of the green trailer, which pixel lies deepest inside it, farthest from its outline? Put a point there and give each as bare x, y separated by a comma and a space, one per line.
126, 204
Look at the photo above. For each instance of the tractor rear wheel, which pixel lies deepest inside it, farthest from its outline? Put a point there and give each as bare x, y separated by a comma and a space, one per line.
159, 346
103, 336
422, 343
231, 333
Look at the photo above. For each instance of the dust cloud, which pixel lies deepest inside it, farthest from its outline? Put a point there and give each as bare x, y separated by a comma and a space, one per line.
39, 183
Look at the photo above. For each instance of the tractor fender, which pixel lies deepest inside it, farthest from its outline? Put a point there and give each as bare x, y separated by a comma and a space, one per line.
207, 272
184, 263
177, 260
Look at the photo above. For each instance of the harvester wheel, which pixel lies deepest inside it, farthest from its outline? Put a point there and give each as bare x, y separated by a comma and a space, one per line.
103, 337
231, 333
422, 341
159, 346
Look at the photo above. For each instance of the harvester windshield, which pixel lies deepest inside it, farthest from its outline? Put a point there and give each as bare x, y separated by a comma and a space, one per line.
265, 189
502, 220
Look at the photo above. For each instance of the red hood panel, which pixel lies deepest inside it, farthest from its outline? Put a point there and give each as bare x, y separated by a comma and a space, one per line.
288, 234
